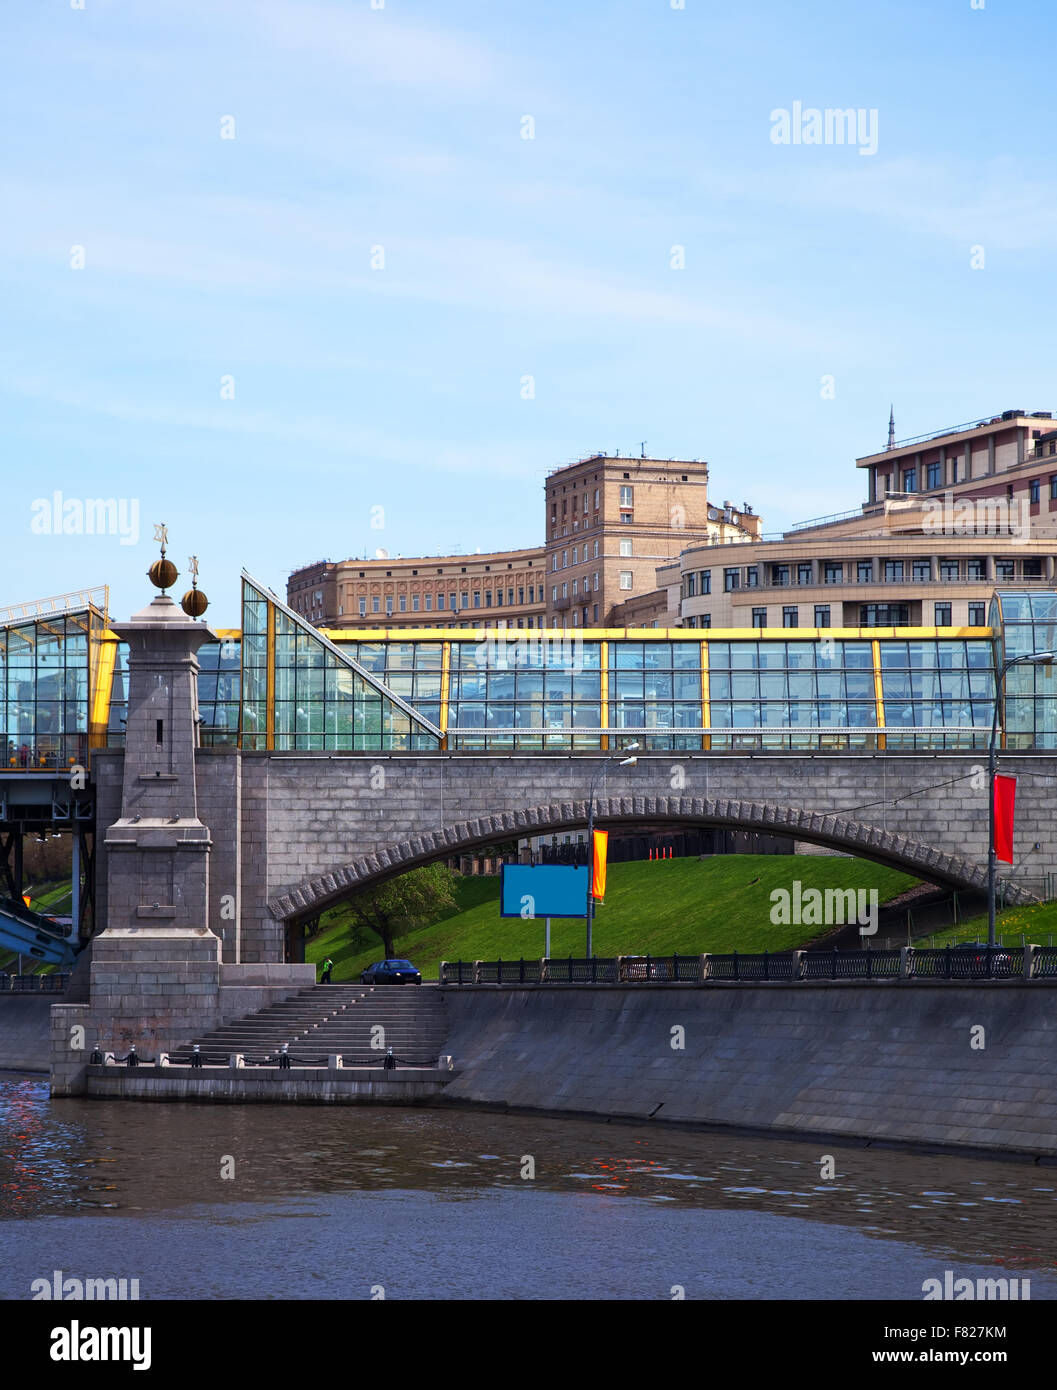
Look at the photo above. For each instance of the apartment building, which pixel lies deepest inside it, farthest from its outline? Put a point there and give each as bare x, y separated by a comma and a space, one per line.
504, 588
949, 516
611, 521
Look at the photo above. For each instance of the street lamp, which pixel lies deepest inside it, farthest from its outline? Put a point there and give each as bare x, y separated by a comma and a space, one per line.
1032, 659
624, 762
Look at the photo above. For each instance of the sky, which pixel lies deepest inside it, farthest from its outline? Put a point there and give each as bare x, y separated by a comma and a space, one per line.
303, 280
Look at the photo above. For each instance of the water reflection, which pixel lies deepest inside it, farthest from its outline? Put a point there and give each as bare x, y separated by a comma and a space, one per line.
99, 1159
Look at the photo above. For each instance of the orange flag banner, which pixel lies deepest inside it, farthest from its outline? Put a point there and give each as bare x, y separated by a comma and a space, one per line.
1005, 796
598, 858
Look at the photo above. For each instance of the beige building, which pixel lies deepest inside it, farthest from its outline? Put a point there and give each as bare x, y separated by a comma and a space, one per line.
611, 521
949, 517
502, 589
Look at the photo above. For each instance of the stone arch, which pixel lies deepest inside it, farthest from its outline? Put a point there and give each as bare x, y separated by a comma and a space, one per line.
835, 831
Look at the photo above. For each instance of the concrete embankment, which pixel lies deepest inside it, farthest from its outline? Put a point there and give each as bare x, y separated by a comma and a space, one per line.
925, 1063
24, 1031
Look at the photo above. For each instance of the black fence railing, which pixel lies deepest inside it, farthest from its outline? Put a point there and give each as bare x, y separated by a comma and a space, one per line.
53, 983
913, 963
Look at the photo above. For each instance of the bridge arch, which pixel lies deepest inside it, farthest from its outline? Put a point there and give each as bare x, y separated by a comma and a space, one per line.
313, 895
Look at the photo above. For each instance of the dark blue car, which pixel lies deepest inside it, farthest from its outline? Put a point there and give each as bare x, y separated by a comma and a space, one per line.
391, 972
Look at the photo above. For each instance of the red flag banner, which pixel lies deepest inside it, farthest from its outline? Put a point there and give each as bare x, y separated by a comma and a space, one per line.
598, 851
1005, 795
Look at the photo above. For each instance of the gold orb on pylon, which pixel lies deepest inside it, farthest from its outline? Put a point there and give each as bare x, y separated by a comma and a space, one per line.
163, 574
194, 603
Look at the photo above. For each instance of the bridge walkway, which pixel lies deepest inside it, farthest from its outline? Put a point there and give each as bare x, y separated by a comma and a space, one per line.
28, 933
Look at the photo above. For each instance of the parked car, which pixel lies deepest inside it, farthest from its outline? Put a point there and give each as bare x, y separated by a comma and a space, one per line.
391, 972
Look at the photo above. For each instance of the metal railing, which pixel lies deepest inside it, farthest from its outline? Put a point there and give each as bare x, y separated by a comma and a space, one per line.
907, 962
96, 597
53, 983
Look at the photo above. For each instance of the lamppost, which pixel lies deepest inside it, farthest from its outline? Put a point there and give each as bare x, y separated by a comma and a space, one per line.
1032, 659
624, 762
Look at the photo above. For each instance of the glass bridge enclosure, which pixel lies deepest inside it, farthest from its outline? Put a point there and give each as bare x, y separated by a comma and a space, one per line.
278, 684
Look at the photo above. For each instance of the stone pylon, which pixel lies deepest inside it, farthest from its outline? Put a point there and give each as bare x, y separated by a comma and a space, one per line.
157, 851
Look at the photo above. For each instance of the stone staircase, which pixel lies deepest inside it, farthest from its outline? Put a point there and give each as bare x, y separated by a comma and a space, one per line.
327, 1019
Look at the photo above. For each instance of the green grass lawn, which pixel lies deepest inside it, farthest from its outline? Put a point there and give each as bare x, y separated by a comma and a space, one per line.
1036, 925
659, 907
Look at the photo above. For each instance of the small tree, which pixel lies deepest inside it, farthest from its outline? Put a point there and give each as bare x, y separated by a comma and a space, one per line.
402, 904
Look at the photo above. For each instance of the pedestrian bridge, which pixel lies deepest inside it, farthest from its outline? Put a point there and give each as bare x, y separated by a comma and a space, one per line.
327, 761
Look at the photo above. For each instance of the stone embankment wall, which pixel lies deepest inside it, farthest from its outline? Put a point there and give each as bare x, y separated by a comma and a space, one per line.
966, 1065
24, 1031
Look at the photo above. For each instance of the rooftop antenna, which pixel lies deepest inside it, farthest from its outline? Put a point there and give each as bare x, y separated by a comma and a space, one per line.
642, 446
891, 427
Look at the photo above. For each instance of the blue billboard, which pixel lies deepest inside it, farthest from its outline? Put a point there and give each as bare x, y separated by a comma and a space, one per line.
543, 890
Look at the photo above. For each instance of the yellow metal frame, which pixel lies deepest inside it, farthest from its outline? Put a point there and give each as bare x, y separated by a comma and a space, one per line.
101, 668
269, 675
604, 662
706, 698
445, 690
878, 693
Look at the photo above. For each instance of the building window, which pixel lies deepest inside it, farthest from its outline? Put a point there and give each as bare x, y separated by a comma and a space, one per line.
627, 496
780, 576
488, 598
705, 620
499, 598
576, 587
376, 604
477, 598
759, 617
576, 554
565, 590
565, 559
832, 573
596, 509
942, 614
822, 615
521, 596
554, 593
706, 581
803, 574
1053, 487
691, 585
864, 572
595, 612
625, 548
731, 580
510, 597
893, 571
884, 615
977, 615
429, 603
1004, 571
596, 581
932, 476
440, 601
910, 480
1032, 569
414, 603
949, 571
388, 605
791, 617
625, 579
554, 566
627, 517
922, 570
403, 603
974, 569
1033, 490
363, 608
752, 576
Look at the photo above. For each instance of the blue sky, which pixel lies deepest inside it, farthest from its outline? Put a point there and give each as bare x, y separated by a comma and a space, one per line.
401, 388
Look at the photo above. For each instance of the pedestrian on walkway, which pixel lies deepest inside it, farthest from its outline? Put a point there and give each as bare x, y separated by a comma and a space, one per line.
328, 966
